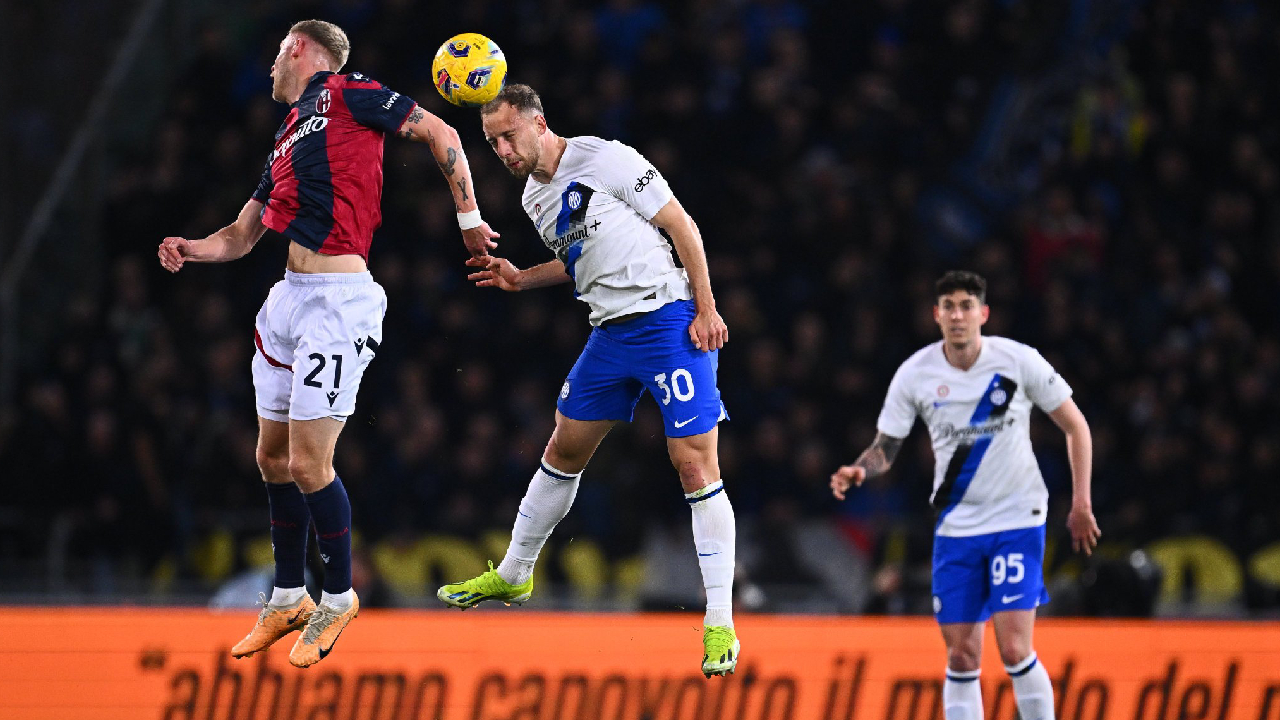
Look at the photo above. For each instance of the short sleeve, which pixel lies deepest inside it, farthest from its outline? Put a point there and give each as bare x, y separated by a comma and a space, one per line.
899, 412
262, 193
1046, 388
628, 176
374, 105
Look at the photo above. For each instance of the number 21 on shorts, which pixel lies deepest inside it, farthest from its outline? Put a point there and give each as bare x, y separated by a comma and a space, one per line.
681, 386
1007, 567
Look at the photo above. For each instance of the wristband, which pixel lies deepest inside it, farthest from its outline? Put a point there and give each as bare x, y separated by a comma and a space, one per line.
468, 220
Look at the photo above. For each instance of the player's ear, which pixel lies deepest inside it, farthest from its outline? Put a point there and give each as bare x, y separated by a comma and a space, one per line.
986, 313
937, 313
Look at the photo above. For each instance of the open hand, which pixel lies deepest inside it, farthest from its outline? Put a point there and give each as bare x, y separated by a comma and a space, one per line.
846, 476
498, 272
479, 240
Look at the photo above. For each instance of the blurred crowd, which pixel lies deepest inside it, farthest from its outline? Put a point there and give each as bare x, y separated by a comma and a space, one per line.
832, 154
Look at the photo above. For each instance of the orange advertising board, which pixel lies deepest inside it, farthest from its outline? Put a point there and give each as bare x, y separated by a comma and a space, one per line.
172, 664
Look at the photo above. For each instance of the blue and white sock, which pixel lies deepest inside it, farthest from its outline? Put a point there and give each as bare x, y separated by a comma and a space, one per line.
714, 537
331, 512
962, 695
290, 527
1032, 689
546, 502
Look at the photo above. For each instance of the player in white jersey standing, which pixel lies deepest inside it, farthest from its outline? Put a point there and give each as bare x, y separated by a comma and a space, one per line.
598, 206
975, 394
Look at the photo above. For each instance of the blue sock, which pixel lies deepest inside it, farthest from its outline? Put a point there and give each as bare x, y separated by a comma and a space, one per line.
331, 512
290, 526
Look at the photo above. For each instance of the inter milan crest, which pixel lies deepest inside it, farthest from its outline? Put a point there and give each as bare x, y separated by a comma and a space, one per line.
999, 397
323, 102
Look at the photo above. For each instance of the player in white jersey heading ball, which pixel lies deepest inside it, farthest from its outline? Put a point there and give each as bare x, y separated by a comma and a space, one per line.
975, 395
598, 205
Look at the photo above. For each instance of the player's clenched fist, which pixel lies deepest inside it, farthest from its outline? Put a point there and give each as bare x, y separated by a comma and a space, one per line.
173, 253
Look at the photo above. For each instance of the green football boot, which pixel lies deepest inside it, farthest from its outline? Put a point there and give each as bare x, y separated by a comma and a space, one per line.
720, 650
488, 586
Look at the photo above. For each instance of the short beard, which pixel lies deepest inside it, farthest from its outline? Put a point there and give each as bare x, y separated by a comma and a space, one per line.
277, 88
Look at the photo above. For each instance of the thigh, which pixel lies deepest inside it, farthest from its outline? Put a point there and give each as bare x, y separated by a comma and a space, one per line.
599, 387
961, 585
1017, 575
574, 442
272, 364
339, 331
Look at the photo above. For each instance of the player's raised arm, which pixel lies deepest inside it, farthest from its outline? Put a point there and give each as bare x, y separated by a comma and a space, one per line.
446, 147
231, 242
708, 330
1080, 521
873, 461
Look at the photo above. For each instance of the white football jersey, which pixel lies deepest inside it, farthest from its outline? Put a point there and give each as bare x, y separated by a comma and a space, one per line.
595, 216
985, 478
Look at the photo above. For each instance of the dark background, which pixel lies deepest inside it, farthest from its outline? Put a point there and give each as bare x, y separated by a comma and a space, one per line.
1108, 165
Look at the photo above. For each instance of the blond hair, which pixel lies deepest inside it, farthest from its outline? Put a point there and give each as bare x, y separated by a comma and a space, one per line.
328, 36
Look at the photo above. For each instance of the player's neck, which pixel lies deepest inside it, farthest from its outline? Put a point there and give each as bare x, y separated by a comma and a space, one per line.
553, 148
962, 357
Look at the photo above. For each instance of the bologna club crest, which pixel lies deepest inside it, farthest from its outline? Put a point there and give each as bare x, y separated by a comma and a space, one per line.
323, 102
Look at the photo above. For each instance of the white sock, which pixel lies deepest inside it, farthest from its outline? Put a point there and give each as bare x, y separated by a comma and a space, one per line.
545, 503
341, 601
286, 596
714, 533
962, 695
1032, 689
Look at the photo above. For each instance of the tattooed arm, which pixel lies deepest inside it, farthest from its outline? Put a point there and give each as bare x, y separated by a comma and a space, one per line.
873, 461
446, 147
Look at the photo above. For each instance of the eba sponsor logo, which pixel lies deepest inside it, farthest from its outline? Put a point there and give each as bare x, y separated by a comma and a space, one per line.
643, 181
391, 101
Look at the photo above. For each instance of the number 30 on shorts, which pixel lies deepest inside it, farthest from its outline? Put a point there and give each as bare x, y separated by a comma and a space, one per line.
681, 385
1007, 567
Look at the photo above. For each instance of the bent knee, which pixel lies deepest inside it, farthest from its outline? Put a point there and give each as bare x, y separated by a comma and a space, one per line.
964, 657
1015, 653
693, 475
309, 474
274, 466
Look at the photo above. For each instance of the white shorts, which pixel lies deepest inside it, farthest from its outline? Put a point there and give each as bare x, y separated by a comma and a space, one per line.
316, 334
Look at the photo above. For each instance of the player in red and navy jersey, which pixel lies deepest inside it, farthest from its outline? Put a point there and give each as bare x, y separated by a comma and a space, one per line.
321, 326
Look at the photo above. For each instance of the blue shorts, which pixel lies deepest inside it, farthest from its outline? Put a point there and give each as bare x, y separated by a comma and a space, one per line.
977, 575
652, 352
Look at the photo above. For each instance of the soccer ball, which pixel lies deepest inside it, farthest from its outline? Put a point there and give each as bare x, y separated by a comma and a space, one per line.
469, 70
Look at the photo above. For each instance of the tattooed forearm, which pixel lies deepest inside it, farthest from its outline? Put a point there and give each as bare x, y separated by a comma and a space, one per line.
415, 117
447, 165
462, 185
877, 458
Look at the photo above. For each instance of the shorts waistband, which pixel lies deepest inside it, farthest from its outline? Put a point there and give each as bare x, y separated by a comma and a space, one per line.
328, 278
631, 321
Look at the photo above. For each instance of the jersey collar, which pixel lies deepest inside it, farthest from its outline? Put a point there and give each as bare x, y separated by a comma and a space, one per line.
317, 79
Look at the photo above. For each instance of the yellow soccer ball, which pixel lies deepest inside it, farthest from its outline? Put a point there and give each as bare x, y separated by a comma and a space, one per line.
469, 70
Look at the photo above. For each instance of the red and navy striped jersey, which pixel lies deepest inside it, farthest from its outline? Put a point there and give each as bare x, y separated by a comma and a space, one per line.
322, 187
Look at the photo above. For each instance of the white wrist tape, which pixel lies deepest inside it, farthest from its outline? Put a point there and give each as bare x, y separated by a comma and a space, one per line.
468, 220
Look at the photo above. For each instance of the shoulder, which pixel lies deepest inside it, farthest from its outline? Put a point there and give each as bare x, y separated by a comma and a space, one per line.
922, 358
1011, 349
356, 80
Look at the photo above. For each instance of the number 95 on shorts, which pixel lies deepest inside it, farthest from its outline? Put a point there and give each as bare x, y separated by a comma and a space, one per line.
978, 575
